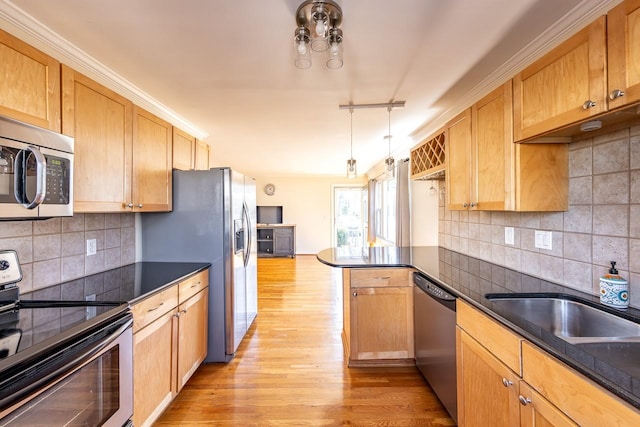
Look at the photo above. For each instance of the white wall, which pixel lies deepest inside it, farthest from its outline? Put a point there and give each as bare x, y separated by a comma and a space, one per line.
424, 213
306, 202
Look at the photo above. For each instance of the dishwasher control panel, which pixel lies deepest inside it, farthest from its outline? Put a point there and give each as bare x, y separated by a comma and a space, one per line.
431, 288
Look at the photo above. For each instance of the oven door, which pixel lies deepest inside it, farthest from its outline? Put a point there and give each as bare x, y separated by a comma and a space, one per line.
95, 388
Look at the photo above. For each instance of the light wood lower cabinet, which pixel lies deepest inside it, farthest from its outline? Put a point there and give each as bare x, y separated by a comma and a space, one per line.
170, 343
192, 335
378, 316
504, 380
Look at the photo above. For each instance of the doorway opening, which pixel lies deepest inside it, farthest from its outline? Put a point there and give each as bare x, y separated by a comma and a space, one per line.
349, 217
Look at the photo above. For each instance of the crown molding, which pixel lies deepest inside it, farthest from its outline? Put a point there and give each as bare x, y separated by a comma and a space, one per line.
576, 19
22, 25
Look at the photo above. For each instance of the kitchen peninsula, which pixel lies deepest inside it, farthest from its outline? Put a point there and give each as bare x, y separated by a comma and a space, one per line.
578, 380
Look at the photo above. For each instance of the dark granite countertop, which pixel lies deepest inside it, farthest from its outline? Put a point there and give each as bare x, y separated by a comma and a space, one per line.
471, 279
128, 283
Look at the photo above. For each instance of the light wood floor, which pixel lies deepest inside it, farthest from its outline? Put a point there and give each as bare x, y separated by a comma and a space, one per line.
290, 371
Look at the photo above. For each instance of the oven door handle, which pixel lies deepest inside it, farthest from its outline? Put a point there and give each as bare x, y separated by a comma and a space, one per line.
21, 169
88, 356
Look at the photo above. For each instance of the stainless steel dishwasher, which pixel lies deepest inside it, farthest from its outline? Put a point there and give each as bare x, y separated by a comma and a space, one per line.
435, 339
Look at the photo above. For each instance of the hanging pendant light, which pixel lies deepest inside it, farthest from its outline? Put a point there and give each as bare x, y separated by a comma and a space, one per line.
389, 161
352, 170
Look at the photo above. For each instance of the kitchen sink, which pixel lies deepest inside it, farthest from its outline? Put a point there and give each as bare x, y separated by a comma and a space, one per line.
573, 321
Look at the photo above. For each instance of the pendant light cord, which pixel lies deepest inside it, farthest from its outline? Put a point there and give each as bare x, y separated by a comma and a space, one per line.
351, 115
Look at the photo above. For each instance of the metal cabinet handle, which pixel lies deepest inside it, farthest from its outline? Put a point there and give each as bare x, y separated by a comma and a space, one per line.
616, 93
184, 310
129, 205
588, 104
155, 308
524, 400
176, 315
506, 382
473, 205
382, 278
139, 205
465, 205
195, 285
355, 294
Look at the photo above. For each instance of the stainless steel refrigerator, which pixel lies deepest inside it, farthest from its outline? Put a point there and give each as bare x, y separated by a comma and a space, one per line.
213, 220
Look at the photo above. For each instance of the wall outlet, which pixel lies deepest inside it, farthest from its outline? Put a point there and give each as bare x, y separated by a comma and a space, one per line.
509, 236
544, 240
91, 247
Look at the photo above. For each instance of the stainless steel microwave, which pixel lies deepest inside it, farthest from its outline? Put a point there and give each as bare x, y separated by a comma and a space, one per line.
36, 172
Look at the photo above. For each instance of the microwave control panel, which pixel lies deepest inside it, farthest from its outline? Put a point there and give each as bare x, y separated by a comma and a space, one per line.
57, 181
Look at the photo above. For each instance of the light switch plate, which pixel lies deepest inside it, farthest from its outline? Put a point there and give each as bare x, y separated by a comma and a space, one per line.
544, 240
509, 236
91, 247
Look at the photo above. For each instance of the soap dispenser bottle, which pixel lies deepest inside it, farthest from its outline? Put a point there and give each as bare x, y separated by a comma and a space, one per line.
614, 289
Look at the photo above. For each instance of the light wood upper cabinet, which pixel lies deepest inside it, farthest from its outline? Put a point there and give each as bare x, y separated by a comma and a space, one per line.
100, 120
487, 171
202, 155
29, 84
458, 161
623, 55
566, 85
183, 150
152, 153
122, 153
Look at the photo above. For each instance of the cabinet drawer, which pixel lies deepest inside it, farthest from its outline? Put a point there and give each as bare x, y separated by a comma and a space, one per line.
380, 277
194, 284
152, 308
580, 398
503, 343
283, 232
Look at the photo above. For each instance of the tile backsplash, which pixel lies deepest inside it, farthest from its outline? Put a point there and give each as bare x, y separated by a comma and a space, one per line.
601, 225
54, 250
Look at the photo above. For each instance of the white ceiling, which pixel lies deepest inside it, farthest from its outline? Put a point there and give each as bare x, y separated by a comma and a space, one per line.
224, 71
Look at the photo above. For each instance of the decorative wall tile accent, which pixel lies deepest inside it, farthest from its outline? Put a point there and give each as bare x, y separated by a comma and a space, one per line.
601, 225
54, 250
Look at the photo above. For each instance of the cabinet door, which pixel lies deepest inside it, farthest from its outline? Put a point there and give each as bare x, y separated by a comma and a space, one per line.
192, 335
202, 156
153, 369
536, 411
381, 323
555, 90
100, 120
458, 160
492, 151
487, 389
30, 84
183, 150
151, 162
283, 241
623, 30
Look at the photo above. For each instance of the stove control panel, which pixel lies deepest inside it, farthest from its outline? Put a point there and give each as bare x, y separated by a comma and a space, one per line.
10, 271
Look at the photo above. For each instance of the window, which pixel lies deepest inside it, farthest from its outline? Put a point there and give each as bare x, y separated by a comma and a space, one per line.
385, 210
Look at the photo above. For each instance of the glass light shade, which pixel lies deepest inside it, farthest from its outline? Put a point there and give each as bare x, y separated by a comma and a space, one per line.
352, 169
303, 55
335, 56
319, 43
389, 161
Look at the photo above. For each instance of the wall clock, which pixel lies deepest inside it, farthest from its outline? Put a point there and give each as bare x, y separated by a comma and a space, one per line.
269, 189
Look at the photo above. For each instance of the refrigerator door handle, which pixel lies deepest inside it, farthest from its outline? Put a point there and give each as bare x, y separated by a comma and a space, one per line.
247, 253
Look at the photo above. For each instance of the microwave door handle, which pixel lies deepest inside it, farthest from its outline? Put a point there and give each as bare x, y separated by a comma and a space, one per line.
20, 177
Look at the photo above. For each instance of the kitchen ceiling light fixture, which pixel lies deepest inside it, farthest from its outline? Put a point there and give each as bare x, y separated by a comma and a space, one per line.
352, 170
318, 29
389, 161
